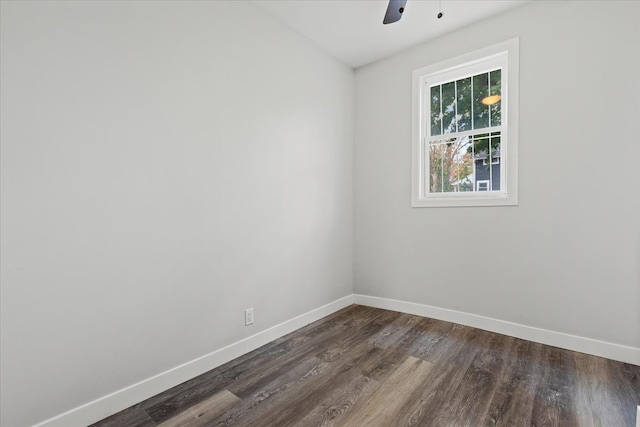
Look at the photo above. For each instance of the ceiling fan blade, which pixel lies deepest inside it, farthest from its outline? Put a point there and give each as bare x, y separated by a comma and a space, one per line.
394, 11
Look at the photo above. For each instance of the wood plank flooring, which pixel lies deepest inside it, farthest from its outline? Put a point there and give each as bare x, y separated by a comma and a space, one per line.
364, 366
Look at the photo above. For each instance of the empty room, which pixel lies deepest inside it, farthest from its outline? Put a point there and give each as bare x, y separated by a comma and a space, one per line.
319, 213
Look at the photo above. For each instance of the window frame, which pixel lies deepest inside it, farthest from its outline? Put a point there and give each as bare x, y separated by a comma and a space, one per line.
506, 54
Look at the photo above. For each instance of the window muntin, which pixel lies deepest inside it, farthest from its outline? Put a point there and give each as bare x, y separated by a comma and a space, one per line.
459, 140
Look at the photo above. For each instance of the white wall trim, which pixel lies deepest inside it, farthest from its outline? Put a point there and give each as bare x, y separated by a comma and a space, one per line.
557, 339
129, 396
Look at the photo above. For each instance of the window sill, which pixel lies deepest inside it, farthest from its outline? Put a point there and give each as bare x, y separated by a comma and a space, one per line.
474, 200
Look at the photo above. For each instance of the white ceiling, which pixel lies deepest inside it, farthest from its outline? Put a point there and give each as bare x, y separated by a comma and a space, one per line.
352, 30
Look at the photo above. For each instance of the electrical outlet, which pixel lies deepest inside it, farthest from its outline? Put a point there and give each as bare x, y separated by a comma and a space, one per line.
248, 316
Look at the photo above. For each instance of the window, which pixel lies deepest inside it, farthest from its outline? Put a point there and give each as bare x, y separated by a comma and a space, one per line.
465, 130
494, 160
482, 185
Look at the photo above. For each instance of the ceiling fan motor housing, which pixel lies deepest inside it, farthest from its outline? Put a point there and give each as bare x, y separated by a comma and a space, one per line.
394, 11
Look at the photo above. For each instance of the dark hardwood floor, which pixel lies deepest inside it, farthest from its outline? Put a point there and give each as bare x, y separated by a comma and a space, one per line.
364, 366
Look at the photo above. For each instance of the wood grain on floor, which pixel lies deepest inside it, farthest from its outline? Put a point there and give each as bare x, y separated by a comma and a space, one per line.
369, 367
203, 412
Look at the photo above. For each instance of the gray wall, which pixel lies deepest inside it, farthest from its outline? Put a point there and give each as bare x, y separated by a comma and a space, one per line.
567, 259
164, 166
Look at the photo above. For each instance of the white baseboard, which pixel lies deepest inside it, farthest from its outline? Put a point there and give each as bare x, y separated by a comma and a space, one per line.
129, 396
557, 339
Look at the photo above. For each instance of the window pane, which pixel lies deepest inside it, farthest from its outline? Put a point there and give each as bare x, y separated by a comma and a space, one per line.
495, 143
496, 89
435, 168
482, 165
448, 160
464, 104
494, 149
436, 122
462, 170
480, 91
449, 107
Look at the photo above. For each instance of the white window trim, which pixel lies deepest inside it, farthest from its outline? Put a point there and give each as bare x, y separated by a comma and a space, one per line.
444, 71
